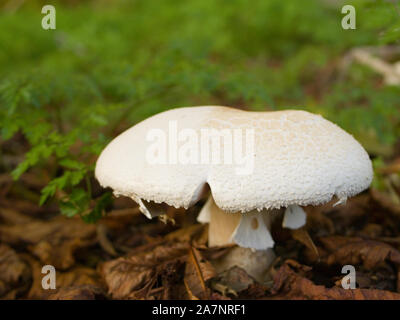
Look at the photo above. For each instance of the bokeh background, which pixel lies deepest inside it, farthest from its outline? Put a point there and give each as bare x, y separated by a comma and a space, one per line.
135, 58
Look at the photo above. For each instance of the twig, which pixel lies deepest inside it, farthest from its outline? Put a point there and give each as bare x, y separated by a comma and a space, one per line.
103, 240
367, 56
193, 257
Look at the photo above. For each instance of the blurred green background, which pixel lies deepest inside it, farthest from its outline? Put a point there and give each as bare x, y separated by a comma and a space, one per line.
110, 64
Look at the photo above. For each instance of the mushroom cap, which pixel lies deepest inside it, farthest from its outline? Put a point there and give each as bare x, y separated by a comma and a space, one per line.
299, 158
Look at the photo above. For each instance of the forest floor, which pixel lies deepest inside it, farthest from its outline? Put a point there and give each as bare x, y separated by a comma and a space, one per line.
126, 256
65, 93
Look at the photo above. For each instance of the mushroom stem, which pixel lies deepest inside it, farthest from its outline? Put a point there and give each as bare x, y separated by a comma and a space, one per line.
249, 230
222, 225
255, 262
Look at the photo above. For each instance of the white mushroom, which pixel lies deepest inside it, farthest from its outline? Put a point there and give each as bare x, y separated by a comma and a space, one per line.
249, 230
253, 162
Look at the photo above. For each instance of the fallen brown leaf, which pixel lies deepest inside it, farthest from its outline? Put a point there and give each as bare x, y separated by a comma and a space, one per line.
11, 217
197, 272
76, 276
23, 206
15, 274
191, 233
355, 251
134, 276
79, 292
54, 242
290, 283
233, 281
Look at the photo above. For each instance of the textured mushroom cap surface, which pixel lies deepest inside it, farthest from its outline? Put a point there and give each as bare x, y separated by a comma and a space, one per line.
299, 158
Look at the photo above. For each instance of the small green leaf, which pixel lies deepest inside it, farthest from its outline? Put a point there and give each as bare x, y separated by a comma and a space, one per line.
97, 212
71, 164
68, 208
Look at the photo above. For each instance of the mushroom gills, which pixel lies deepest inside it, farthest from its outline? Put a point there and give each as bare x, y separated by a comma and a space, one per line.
253, 231
294, 217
